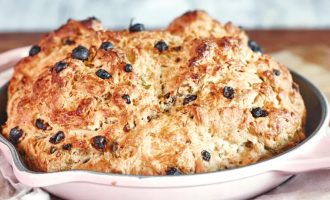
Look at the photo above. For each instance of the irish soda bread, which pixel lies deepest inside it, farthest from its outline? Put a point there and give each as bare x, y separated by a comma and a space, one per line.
196, 97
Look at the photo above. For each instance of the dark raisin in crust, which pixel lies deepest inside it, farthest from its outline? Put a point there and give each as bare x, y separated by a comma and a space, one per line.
80, 53
161, 46
59, 66
127, 98
127, 128
106, 46
254, 46
228, 92
128, 68
68, 42
277, 72
57, 138
52, 150
136, 27
258, 112
15, 134
40, 124
189, 98
173, 171
67, 147
99, 142
103, 74
35, 49
206, 155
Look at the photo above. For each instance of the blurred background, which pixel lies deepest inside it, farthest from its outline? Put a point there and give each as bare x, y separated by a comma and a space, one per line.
43, 15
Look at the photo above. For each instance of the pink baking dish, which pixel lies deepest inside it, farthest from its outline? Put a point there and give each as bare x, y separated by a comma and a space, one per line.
238, 183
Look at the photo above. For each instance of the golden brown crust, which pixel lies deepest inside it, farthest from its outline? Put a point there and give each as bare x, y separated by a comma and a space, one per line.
178, 117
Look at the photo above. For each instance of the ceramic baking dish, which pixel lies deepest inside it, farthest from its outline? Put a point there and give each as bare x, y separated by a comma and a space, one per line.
238, 183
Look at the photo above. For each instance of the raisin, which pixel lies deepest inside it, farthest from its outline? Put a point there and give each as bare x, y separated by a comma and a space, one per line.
127, 98
93, 18
59, 66
161, 46
276, 72
136, 27
189, 98
57, 138
249, 144
178, 48
80, 53
99, 142
103, 74
52, 150
206, 155
106, 46
128, 68
228, 92
86, 160
15, 134
127, 128
254, 46
35, 49
67, 147
68, 42
173, 171
40, 124
258, 112
167, 95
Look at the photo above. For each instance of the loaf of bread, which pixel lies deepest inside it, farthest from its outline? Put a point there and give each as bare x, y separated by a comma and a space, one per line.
196, 97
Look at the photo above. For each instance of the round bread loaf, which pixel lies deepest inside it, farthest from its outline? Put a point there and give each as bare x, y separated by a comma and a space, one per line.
195, 97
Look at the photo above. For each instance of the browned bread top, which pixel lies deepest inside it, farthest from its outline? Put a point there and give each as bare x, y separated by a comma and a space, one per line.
188, 99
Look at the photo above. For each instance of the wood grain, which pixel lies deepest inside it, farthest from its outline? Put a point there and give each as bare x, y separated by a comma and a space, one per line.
276, 40
13, 40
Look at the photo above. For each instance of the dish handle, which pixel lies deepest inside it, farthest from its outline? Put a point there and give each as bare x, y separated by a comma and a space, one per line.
9, 58
317, 159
